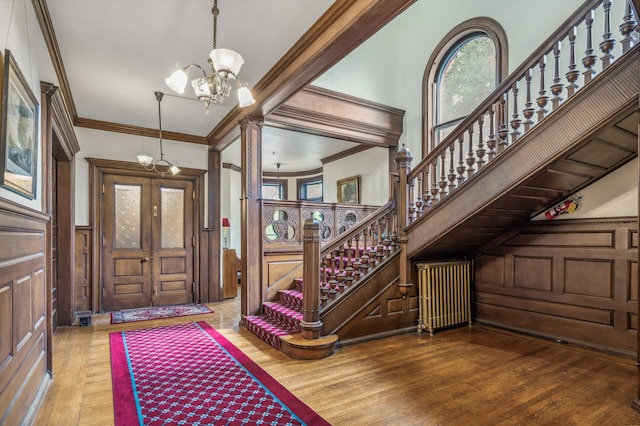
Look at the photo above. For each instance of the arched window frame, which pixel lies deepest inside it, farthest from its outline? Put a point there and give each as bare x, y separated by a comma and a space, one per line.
451, 41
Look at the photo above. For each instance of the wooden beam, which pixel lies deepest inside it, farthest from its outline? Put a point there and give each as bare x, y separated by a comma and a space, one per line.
138, 131
343, 27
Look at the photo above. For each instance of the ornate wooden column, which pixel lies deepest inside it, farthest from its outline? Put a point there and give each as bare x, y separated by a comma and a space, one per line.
251, 215
311, 323
403, 162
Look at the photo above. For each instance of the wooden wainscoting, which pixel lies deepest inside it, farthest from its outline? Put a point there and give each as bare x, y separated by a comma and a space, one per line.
23, 310
572, 280
82, 274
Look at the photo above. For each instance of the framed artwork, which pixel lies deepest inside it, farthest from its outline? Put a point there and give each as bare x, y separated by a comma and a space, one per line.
19, 135
349, 190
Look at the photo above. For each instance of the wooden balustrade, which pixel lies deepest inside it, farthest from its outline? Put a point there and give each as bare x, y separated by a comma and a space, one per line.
357, 253
283, 221
503, 119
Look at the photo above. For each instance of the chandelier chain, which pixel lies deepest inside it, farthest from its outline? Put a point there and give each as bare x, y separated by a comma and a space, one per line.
215, 11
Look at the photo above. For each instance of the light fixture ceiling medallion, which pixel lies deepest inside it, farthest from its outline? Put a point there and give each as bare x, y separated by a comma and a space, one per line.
160, 166
216, 86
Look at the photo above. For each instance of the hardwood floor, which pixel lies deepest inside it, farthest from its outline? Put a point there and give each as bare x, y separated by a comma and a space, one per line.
478, 375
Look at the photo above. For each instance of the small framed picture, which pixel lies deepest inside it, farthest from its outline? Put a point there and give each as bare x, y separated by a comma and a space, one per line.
19, 136
349, 190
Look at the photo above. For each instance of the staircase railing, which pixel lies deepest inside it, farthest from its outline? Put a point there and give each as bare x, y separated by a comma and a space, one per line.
504, 118
330, 272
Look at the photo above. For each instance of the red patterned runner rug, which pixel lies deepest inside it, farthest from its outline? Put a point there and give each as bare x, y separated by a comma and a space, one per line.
191, 374
158, 312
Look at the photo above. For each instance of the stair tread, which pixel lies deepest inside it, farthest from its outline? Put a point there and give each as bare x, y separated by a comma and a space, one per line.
282, 309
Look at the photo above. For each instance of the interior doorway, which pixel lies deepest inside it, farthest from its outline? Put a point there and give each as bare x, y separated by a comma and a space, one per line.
148, 241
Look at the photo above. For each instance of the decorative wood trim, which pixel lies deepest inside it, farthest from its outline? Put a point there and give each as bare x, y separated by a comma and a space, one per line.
44, 19
63, 126
326, 113
238, 169
138, 131
344, 154
486, 25
344, 26
97, 169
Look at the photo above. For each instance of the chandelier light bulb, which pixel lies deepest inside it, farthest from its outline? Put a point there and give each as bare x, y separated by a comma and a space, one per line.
245, 98
178, 81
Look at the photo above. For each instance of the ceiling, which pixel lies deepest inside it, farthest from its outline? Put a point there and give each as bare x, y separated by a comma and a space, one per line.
117, 53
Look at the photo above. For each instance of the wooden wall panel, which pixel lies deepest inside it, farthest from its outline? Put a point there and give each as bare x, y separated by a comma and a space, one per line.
6, 336
532, 272
23, 310
82, 273
587, 271
589, 277
489, 269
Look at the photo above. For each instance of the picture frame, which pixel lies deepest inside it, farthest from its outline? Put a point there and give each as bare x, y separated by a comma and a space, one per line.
349, 190
19, 133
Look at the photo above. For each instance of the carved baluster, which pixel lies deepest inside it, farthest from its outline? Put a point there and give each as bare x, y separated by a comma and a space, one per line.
493, 141
480, 152
412, 207
528, 110
452, 171
443, 175
515, 122
542, 100
357, 265
627, 27
503, 131
573, 74
380, 245
364, 259
434, 181
394, 232
341, 274
607, 44
324, 288
460, 169
471, 159
373, 261
333, 282
386, 242
348, 270
590, 58
426, 195
419, 202
557, 87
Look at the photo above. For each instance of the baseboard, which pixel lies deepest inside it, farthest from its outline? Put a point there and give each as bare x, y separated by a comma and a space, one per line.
30, 417
376, 336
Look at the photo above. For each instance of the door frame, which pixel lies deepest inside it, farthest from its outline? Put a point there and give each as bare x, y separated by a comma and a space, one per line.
98, 167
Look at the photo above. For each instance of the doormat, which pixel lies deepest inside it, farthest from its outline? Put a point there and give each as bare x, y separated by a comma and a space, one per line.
190, 374
158, 312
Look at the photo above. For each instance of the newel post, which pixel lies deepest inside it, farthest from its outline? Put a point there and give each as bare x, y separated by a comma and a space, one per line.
311, 323
403, 162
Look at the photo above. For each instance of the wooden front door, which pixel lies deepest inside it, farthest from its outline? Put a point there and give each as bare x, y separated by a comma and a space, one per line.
147, 242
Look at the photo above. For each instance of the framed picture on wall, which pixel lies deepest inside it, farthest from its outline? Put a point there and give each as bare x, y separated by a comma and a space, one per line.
349, 190
19, 135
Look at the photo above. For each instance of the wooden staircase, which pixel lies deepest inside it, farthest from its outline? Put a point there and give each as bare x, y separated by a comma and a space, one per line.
504, 164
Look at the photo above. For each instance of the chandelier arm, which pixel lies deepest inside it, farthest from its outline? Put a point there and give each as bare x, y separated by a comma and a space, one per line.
188, 67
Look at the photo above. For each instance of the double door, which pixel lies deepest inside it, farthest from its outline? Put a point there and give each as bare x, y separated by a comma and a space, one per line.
148, 239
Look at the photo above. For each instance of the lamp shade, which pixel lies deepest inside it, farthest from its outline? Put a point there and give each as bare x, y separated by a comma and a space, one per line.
144, 160
245, 98
226, 62
225, 223
177, 81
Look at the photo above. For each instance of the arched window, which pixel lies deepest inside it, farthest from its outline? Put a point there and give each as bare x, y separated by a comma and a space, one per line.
463, 70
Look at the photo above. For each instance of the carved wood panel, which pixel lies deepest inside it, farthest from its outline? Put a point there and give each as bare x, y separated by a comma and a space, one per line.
564, 280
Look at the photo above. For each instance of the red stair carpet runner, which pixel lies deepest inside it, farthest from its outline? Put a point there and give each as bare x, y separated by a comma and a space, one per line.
190, 374
158, 312
279, 318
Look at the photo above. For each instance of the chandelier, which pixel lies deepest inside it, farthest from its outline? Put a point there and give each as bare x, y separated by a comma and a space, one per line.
216, 86
161, 166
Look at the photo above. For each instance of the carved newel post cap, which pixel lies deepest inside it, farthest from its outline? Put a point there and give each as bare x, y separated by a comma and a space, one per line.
403, 156
404, 289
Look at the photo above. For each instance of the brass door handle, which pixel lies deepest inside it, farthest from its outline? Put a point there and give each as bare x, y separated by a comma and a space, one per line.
144, 259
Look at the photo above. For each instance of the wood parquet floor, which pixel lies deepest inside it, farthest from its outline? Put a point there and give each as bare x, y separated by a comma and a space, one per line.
463, 376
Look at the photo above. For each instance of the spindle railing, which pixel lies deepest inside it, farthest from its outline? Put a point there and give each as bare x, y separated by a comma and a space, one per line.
514, 107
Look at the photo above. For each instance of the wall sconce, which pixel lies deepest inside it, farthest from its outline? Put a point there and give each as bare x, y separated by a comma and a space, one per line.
225, 227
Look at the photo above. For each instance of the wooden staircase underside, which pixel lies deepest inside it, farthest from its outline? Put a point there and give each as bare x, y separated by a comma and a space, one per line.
587, 137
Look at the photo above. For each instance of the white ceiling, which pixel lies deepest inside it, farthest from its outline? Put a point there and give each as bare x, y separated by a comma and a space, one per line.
116, 53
